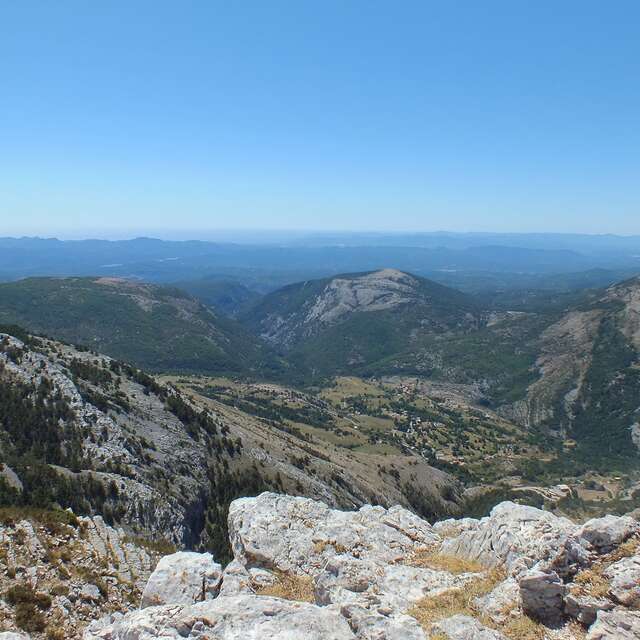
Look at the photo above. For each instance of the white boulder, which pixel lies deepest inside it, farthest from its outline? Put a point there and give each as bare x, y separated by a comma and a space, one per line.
542, 595
241, 617
183, 578
624, 577
520, 537
608, 532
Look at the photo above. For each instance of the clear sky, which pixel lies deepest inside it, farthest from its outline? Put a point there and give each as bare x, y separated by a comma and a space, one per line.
505, 115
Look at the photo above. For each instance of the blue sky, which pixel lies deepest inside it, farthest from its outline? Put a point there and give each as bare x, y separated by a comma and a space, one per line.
143, 116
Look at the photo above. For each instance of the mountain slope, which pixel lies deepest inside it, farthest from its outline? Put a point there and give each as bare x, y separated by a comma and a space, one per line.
355, 321
153, 327
588, 383
227, 296
568, 369
81, 430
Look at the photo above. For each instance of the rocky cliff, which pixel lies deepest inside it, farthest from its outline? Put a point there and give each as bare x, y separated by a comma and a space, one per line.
303, 571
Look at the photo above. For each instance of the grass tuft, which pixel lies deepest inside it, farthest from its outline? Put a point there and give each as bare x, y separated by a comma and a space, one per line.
288, 587
441, 562
455, 601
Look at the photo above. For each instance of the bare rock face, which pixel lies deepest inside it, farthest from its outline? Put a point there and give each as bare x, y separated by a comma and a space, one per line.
183, 578
78, 569
605, 533
228, 618
350, 576
616, 625
393, 587
542, 594
367, 625
466, 628
500, 601
236, 580
370, 292
521, 537
299, 535
585, 608
625, 581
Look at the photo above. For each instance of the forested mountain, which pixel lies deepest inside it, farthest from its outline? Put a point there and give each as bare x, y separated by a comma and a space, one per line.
158, 328
563, 366
226, 296
359, 322
587, 384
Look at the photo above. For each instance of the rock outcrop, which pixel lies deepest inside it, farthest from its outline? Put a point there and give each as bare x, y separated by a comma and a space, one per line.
304, 571
56, 575
183, 578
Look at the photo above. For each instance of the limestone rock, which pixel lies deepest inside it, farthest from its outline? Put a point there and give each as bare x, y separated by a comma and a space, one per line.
498, 604
585, 608
520, 537
10, 635
183, 578
542, 595
624, 577
299, 535
371, 625
235, 580
90, 593
465, 628
227, 618
615, 625
605, 533
396, 588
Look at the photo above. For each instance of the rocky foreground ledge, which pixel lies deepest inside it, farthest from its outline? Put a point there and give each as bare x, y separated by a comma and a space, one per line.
304, 571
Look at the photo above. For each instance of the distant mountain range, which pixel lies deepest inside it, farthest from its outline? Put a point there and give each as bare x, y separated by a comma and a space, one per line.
457, 259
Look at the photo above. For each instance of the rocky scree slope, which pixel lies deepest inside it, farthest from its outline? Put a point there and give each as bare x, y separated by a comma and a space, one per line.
302, 570
81, 430
58, 572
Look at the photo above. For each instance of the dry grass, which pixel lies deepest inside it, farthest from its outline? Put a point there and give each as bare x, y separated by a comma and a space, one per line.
625, 550
442, 562
592, 582
461, 602
158, 548
320, 546
455, 601
288, 587
523, 628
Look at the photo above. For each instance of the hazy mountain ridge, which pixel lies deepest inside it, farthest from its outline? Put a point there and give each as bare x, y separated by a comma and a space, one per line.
275, 262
